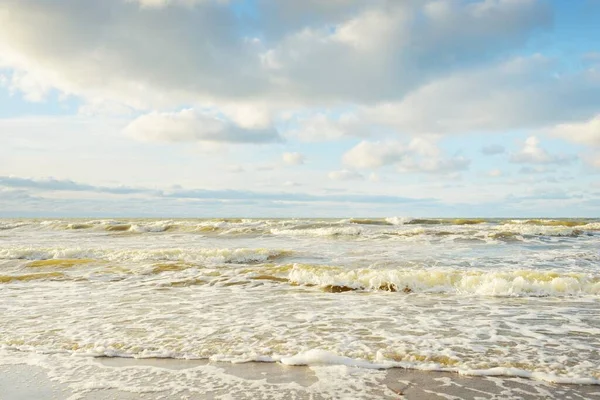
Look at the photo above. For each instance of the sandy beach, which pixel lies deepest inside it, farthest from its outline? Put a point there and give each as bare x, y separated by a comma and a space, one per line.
27, 382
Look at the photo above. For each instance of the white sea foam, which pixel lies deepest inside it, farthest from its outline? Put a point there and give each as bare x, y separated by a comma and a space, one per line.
506, 283
211, 255
398, 220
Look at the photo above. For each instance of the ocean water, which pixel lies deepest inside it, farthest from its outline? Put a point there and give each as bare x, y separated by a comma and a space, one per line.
477, 297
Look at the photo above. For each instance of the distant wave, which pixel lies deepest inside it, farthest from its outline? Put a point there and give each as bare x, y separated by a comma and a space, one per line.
240, 255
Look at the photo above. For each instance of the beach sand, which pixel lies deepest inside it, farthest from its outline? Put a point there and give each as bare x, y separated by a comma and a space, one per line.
27, 382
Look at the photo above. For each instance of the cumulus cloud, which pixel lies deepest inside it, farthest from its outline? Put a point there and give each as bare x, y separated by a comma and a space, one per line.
323, 127
375, 154
532, 153
345, 175
418, 155
189, 125
388, 49
587, 132
293, 158
408, 63
307, 53
522, 92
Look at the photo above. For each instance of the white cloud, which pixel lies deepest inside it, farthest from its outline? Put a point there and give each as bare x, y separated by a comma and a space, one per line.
418, 155
449, 165
291, 184
495, 173
189, 125
587, 132
520, 93
373, 177
33, 89
408, 63
532, 153
293, 158
345, 175
318, 127
110, 50
375, 154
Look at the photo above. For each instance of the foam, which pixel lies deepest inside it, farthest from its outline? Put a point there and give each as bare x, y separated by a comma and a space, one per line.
211, 255
398, 220
505, 283
323, 357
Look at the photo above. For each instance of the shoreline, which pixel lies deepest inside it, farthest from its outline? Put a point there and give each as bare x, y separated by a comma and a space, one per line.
156, 378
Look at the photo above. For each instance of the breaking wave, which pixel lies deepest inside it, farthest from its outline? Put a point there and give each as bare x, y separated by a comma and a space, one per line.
505, 283
212, 256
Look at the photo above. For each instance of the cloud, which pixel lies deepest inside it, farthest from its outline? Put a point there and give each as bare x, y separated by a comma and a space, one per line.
436, 165
52, 184
592, 160
587, 132
407, 62
530, 170
375, 154
304, 54
320, 126
293, 158
390, 48
532, 153
345, 175
418, 155
495, 173
56, 185
521, 93
189, 125
493, 149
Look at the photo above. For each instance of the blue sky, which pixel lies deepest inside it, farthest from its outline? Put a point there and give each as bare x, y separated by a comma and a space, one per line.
178, 108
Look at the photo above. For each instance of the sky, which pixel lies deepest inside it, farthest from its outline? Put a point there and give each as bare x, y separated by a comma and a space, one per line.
286, 108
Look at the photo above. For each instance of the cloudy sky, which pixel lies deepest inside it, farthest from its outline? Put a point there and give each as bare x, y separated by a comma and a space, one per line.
207, 108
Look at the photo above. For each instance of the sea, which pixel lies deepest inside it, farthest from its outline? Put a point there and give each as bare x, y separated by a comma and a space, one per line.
476, 297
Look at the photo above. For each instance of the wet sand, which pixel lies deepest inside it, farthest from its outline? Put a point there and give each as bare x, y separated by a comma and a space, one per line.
26, 382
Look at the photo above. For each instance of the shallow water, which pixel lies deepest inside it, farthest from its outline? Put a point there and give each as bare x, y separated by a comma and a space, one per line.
481, 297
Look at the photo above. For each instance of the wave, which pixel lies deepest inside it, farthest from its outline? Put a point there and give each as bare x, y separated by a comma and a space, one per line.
32, 277
431, 362
207, 255
367, 221
366, 227
551, 222
6, 225
504, 283
441, 221
325, 231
